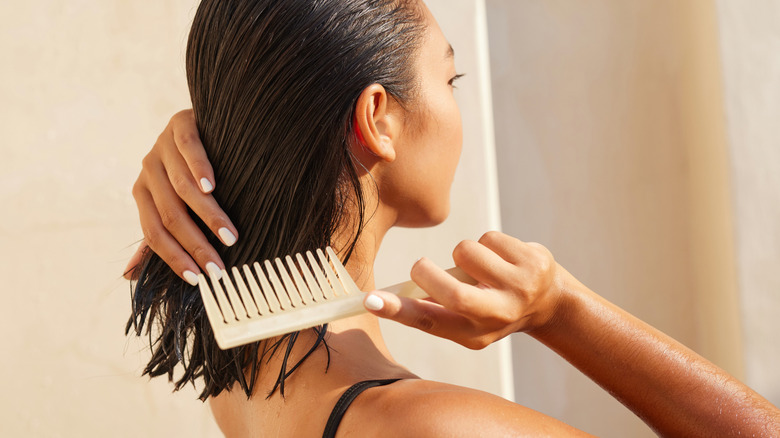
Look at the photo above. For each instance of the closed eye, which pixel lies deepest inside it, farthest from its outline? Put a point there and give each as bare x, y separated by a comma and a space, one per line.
454, 79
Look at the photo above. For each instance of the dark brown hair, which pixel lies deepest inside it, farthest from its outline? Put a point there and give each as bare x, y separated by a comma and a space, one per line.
273, 85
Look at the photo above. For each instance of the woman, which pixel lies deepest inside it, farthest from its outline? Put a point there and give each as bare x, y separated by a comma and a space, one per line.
329, 123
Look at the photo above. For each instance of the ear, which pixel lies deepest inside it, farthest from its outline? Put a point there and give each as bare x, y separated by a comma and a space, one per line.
378, 122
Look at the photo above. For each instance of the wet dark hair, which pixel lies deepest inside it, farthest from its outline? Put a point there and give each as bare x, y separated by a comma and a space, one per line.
274, 85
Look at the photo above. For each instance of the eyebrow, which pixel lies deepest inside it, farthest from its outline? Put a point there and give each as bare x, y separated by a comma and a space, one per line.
450, 52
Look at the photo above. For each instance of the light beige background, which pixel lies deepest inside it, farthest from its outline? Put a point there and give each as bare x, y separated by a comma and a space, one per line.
637, 139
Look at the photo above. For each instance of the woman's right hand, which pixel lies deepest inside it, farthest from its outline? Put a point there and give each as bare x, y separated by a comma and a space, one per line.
521, 288
176, 173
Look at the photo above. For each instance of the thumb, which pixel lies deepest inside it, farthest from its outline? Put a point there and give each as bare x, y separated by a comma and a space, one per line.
420, 314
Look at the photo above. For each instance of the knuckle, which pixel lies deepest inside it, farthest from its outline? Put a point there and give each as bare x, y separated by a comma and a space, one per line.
541, 250
152, 237
424, 321
181, 185
175, 261
186, 139
505, 318
477, 343
200, 164
137, 188
460, 302
201, 253
176, 117
182, 115
542, 263
540, 280
171, 218
535, 245
535, 248
145, 161
161, 140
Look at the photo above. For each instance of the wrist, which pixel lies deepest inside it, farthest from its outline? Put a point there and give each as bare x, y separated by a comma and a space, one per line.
568, 296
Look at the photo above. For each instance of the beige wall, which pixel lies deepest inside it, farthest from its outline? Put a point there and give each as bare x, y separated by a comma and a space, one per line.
750, 41
612, 152
86, 88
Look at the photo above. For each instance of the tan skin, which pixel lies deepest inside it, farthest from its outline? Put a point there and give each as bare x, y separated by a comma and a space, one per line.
521, 289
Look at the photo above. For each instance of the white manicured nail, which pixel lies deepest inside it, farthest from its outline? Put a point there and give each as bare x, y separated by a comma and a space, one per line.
214, 270
205, 185
227, 237
375, 303
191, 277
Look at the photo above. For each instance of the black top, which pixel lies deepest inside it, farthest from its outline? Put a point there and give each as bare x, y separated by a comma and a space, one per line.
344, 402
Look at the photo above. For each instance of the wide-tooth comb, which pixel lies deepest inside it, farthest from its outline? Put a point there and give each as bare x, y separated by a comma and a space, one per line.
283, 297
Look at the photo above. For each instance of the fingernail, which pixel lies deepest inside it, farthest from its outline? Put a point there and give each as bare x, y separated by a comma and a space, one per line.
214, 270
191, 277
205, 185
375, 303
227, 237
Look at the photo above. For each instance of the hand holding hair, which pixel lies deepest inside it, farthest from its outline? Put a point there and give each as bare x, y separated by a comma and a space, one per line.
673, 389
176, 173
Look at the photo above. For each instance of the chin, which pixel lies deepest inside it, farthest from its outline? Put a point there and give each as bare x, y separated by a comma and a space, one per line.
441, 216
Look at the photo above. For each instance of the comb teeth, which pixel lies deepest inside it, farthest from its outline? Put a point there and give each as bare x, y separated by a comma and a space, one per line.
274, 298
279, 297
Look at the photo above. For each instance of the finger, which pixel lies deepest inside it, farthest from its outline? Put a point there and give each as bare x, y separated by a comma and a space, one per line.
167, 245
423, 315
531, 261
470, 301
135, 260
204, 206
511, 249
483, 264
173, 215
187, 140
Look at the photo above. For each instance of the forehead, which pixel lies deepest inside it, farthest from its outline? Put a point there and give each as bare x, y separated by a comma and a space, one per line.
435, 45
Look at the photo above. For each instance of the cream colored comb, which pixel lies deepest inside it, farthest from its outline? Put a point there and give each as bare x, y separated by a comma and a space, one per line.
284, 297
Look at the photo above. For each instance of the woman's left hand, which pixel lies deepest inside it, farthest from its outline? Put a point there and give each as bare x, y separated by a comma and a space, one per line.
519, 289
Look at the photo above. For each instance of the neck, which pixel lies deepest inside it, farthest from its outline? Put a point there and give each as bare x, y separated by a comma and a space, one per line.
361, 268
358, 341
361, 262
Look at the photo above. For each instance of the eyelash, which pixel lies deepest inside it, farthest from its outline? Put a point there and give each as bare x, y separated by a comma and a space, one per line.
454, 79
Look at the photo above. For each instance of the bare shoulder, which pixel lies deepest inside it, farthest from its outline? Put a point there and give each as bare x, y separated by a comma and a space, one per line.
422, 408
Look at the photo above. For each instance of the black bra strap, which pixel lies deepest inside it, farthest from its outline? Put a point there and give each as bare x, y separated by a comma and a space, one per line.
345, 400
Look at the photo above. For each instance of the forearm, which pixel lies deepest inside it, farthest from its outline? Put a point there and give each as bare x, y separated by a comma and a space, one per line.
674, 390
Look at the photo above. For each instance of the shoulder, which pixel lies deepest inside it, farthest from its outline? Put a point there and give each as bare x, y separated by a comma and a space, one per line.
422, 408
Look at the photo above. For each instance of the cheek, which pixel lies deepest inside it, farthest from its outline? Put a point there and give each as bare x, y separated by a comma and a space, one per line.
425, 169
451, 136
446, 145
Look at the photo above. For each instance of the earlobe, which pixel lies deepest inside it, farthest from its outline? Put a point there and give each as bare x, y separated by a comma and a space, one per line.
376, 125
